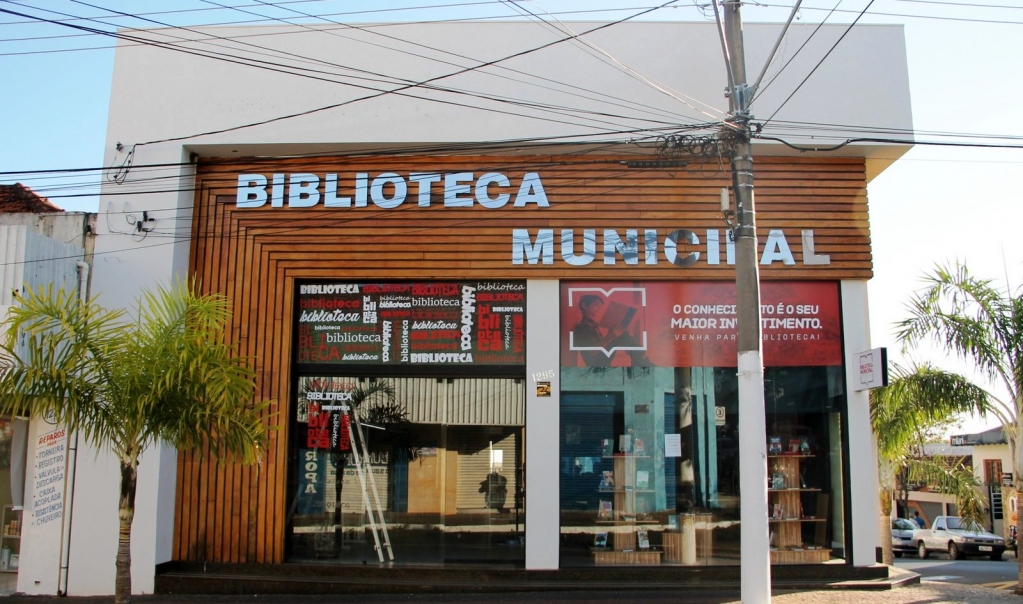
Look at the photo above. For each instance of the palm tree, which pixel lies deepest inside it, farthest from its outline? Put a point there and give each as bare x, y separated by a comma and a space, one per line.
901, 414
125, 384
974, 320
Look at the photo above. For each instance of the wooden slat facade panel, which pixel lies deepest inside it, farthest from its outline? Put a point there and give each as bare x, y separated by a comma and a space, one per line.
255, 255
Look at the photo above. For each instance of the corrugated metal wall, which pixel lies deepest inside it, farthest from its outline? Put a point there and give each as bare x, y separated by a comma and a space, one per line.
462, 402
30, 259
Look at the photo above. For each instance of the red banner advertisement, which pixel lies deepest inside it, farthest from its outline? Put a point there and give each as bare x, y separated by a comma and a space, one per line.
687, 324
465, 322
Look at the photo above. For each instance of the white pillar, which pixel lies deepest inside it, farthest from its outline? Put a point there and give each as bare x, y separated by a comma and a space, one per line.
755, 551
863, 485
543, 426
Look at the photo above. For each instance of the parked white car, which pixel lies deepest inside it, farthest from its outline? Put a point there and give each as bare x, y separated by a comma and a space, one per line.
959, 538
902, 536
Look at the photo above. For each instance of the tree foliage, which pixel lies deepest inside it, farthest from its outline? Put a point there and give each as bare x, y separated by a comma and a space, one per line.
125, 383
903, 415
974, 320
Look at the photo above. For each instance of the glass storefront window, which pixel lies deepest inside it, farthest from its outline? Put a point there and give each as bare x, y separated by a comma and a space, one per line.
649, 424
429, 469
12, 471
444, 486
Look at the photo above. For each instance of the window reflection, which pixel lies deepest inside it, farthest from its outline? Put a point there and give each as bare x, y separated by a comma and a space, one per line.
650, 468
442, 486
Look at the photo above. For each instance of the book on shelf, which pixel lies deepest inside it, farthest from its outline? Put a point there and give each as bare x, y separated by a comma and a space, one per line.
794, 446
607, 447
600, 540
774, 445
642, 479
639, 447
607, 481
643, 539
606, 511
778, 512
625, 443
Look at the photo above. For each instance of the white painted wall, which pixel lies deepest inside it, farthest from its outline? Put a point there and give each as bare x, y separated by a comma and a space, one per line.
39, 567
158, 95
543, 426
862, 471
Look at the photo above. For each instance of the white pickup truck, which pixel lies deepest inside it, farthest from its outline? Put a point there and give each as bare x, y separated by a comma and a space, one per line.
959, 538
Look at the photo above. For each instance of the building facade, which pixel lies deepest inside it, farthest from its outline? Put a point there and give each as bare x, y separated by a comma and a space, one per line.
43, 246
550, 300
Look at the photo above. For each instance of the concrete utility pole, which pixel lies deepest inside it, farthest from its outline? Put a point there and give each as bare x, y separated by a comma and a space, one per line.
755, 550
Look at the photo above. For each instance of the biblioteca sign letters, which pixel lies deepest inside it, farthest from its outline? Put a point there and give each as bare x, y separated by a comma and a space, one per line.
495, 190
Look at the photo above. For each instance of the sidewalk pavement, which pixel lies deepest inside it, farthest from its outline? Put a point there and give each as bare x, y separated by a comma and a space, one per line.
904, 589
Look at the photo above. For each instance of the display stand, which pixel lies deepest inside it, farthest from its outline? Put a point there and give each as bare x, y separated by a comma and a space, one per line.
10, 539
624, 519
692, 542
787, 513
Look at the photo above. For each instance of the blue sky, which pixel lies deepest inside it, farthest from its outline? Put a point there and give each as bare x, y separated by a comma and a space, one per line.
935, 205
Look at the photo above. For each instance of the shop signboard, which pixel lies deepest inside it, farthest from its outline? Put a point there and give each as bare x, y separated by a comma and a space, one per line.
872, 368
694, 324
436, 323
48, 477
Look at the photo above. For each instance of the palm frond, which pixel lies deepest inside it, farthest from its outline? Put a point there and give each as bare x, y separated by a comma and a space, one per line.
168, 374
954, 478
916, 399
967, 316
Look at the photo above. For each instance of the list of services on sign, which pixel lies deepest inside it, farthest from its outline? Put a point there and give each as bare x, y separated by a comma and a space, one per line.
48, 477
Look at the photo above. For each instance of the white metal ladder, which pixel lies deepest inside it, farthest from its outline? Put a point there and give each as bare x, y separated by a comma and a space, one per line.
364, 470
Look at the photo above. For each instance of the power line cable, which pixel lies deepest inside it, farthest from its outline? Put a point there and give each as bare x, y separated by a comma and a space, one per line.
379, 92
963, 4
433, 148
760, 92
372, 31
503, 17
910, 16
496, 146
383, 78
605, 57
813, 128
400, 89
284, 2
890, 141
824, 58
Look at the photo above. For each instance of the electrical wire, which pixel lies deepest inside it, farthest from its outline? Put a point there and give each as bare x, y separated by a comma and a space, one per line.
303, 225
963, 4
283, 2
584, 92
795, 54
636, 139
401, 89
615, 62
814, 128
388, 79
910, 16
249, 22
887, 141
824, 58
377, 92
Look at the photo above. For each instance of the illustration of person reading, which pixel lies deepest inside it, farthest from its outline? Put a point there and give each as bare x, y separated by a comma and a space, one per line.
605, 326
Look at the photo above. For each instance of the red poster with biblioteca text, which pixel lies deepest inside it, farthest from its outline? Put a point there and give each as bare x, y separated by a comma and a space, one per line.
657, 324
